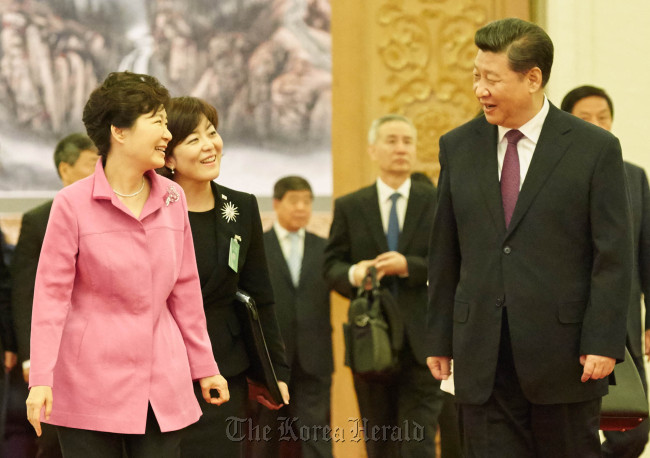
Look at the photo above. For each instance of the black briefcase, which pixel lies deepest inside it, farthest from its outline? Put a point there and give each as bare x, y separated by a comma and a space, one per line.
626, 405
261, 370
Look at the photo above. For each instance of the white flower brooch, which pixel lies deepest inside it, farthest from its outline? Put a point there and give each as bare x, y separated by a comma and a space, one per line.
229, 212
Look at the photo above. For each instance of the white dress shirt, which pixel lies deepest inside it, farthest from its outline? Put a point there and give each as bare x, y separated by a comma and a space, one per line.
383, 194
526, 146
285, 241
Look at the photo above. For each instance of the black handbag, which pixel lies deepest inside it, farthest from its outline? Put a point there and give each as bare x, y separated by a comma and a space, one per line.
374, 333
626, 405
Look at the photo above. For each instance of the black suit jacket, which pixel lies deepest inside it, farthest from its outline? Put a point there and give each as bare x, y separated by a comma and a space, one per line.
562, 268
640, 211
219, 291
357, 234
23, 272
303, 312
7, 334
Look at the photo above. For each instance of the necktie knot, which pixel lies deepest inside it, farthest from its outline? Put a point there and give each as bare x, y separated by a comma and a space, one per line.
513, 136
394, 196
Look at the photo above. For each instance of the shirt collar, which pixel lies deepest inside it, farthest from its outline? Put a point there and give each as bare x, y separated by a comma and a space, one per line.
533, 128
282, 233
102, 189
384, 191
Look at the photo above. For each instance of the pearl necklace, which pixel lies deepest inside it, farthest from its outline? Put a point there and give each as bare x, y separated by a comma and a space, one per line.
131, 195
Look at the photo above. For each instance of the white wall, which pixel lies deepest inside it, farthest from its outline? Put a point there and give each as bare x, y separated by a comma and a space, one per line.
605, 43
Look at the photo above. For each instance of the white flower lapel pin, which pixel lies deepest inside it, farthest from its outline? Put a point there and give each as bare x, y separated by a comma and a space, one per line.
229, 212
171, 196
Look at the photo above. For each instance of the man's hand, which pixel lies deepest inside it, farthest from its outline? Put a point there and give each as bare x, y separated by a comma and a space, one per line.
39, 396
596, 367
215, 382
361, 270
440, 367
391, 263
647, 344
11, 359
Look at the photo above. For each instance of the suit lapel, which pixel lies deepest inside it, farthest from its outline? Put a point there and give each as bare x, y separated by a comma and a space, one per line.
487, 171
223, 242
417, 201
308, 258
551, 146
277, 257
371, 214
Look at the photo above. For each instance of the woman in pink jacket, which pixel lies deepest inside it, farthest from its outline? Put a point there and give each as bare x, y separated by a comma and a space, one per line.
118, 328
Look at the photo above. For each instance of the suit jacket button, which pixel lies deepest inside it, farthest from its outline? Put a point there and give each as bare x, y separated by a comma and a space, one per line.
507, 250
500, 301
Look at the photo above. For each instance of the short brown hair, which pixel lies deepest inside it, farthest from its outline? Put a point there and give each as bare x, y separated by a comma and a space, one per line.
121, 99
183, 117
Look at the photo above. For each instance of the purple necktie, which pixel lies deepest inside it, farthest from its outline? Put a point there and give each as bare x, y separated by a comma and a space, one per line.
510, 175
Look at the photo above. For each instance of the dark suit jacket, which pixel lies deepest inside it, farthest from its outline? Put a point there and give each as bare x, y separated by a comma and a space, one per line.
562, 268
23, 272
7, 334
304, 311
357, 234
639, 193
219, 300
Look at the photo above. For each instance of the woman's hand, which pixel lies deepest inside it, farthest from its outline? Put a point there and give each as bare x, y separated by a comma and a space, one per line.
215, 382
39, 396
284, 391
262, 395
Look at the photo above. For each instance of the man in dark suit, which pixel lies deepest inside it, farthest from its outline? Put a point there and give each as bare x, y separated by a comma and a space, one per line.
593, 105
75, 157
302, 307
7, 332
530, 266
16, 437
386, 225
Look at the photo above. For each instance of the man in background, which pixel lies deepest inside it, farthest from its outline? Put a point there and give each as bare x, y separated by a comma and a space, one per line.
16, 437
593, 105
302, 306
386, 225
75, 157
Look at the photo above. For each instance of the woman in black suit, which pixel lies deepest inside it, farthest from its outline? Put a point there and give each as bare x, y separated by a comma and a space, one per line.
227, 232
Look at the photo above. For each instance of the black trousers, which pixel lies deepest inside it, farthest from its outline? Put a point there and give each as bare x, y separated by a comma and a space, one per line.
84, 443
628, 444
222, 430
19, 439
399, 413
48, 443
508, 425
304, 420
450, 443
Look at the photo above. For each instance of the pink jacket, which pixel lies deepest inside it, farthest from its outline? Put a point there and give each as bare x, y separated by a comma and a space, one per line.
118, 317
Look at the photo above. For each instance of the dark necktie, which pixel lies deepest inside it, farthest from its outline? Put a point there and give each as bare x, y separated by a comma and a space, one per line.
392, 234
510, 175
